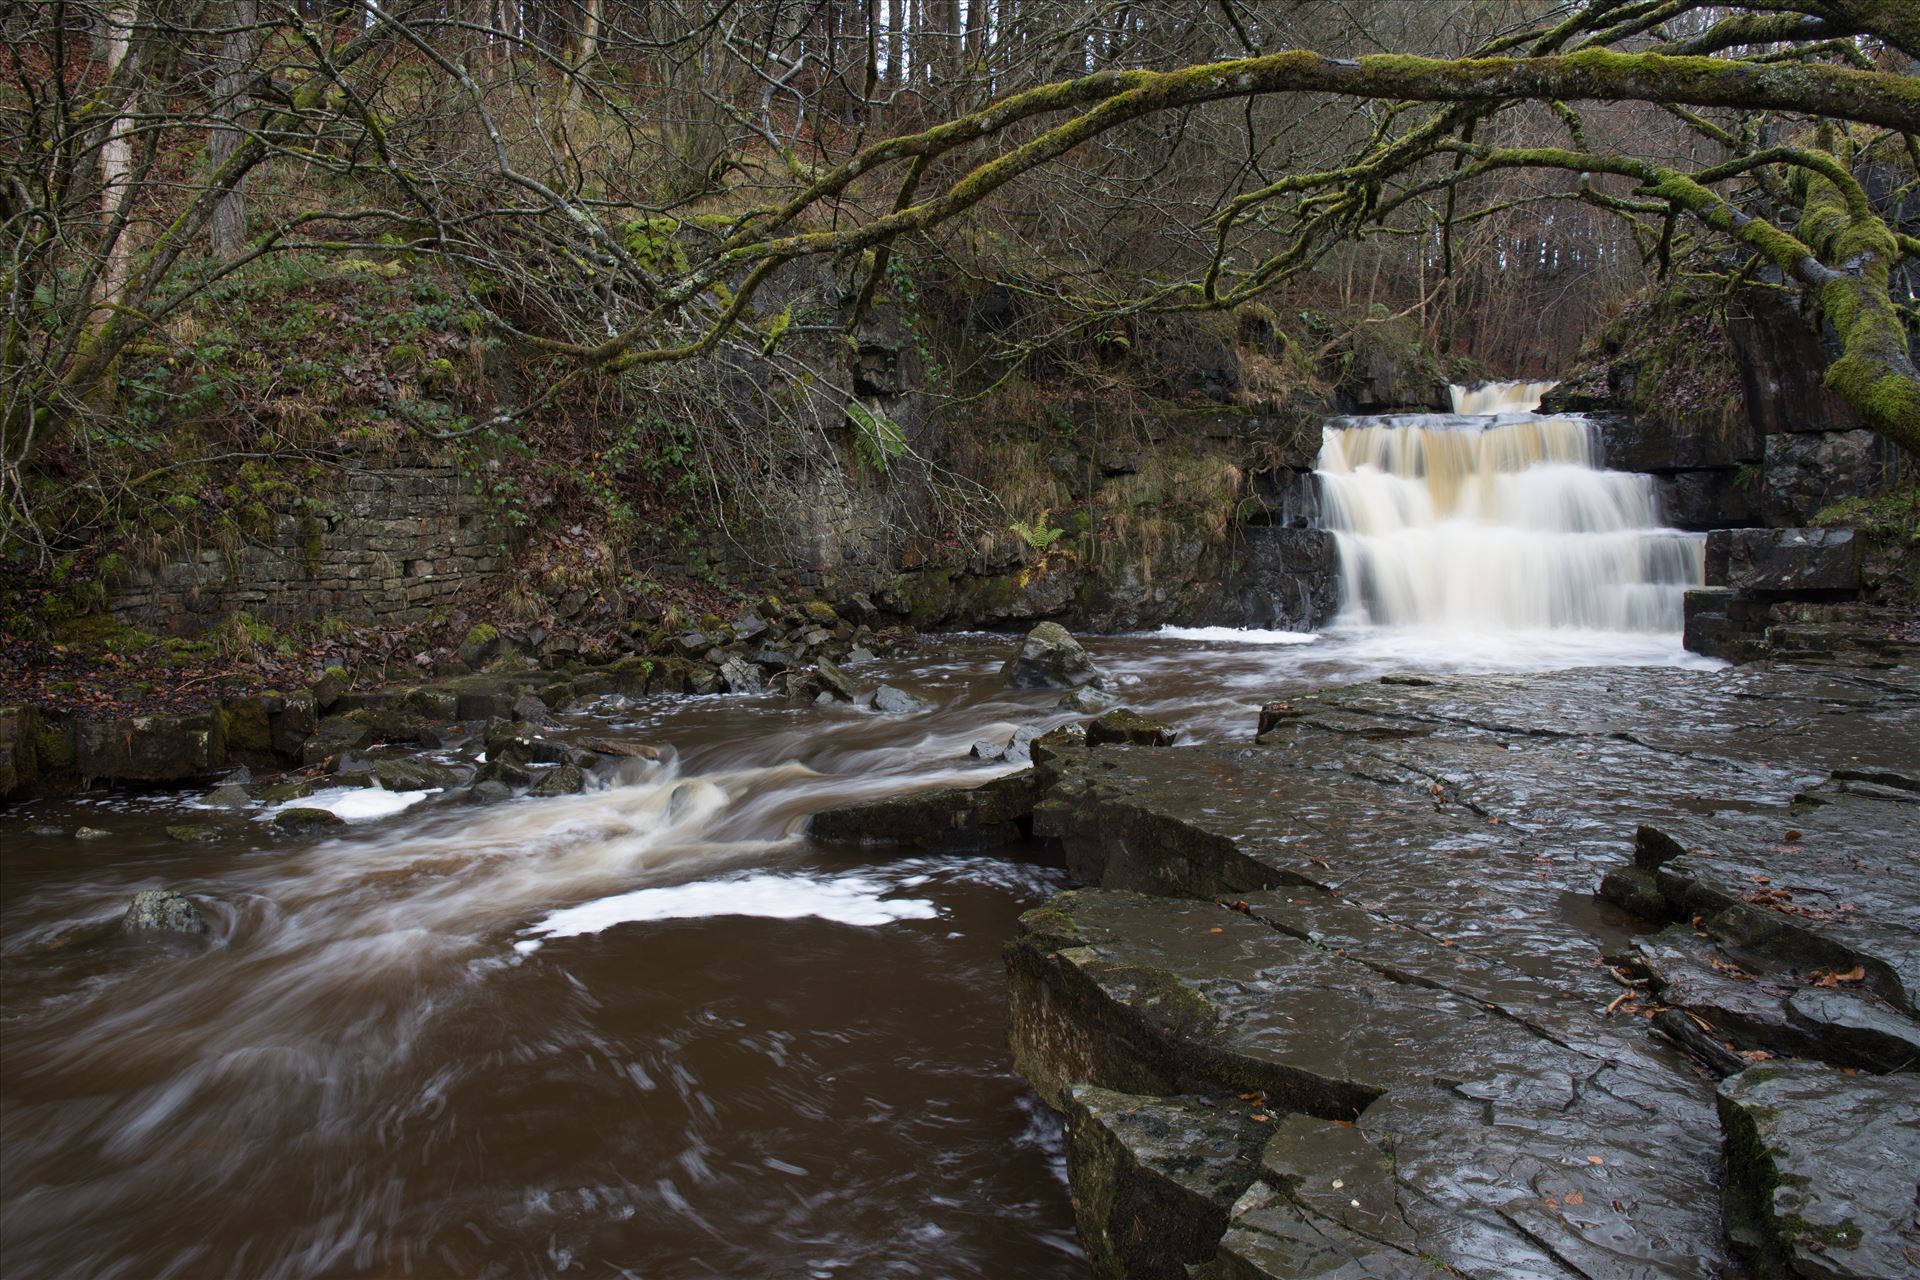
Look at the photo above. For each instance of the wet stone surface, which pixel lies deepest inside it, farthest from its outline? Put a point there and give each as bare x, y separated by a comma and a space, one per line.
1374, 934
1825, 1170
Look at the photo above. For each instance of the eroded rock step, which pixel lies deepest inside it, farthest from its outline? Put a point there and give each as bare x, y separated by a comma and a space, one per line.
1824, 1170
1471, 1128
1405, 982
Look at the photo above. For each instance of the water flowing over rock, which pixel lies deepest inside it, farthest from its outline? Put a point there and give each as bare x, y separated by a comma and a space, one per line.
1498, 522
1498, 397
304, 819
1049, 658
889, 701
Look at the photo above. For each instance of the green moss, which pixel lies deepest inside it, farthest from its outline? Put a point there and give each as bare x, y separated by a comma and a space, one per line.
1051, 927
243, 725
241, 635
480, 635
102, 633
1167, 1000
53, 747
1894, 515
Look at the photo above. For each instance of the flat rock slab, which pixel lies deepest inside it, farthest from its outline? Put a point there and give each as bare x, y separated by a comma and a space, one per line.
1824, 1170
1484, 1126
1378, 923
944, 820
1155, 1179
1831, 885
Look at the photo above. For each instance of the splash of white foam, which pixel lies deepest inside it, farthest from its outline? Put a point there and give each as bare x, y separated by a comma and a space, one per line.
357, 804
851, 900
1237, 635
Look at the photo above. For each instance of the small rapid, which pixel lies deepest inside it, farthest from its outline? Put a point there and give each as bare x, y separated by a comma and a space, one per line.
1502, 521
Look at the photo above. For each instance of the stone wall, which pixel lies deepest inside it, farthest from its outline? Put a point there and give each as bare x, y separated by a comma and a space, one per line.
386, 544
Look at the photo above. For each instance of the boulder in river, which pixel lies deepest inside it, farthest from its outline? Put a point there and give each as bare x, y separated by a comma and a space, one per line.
404, 773
624, 749
1127, 726
561, 780
833, 681
163, 911
1087, 700
193, 833
943, 821
229, 795
1049, 658
890, 701
489, 791
1016, 750
303, 818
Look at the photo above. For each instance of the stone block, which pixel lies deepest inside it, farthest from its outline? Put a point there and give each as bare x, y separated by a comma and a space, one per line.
1784, 560
1806, 472
149, 748
1715, 498
1630, 443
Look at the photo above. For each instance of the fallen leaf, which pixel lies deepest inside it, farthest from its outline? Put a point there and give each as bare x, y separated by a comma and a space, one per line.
1596, 1159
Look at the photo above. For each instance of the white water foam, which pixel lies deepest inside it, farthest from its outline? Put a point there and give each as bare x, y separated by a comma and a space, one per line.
853, 900
1237, 635
1480, 651
355, 804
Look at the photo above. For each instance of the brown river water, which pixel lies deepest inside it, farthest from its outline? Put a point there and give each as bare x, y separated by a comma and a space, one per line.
650, 1031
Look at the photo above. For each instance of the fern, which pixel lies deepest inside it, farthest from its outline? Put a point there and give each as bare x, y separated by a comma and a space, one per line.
877, 439
1038, 535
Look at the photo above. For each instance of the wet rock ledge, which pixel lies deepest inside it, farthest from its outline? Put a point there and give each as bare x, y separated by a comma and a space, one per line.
1343, 1002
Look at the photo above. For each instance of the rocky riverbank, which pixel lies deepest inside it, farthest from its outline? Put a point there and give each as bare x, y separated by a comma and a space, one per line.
501, 683
1342, 1000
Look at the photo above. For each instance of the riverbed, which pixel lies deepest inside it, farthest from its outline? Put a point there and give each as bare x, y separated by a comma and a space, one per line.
651, 1030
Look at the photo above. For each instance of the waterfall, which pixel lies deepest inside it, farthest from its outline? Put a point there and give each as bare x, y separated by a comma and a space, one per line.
1501, 521
1498, 397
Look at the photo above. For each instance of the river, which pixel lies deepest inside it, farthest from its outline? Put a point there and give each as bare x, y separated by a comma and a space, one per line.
648, 1031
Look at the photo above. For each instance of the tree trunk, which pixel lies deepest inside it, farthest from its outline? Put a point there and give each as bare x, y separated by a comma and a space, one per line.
586, 47
896, 42
116, 158
227, 228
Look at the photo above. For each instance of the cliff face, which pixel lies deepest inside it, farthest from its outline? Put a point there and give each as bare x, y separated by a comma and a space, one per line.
956, 473
964, 460
1728, 409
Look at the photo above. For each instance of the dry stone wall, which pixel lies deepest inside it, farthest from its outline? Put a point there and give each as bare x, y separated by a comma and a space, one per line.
389, 545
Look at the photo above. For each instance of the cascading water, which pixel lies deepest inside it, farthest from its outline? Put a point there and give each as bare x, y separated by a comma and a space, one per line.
1497, 397
1498, 519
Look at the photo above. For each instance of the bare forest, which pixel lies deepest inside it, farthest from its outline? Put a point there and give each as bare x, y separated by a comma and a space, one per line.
614, 189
